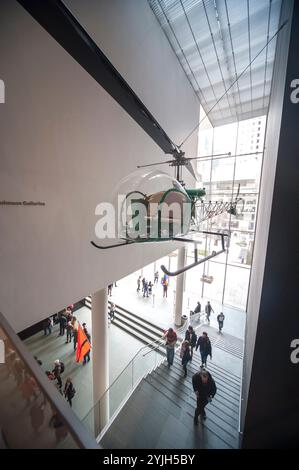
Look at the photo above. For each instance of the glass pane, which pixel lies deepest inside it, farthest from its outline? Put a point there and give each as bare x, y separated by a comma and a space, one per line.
225, 138
236, 286
241, 248
29, 420
213, 280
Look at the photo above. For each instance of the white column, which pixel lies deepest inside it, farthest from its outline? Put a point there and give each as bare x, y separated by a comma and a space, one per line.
100, 358
179, 293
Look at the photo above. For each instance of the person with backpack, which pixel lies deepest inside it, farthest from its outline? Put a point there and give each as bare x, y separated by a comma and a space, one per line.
185, 355
191, 336
69, 390
170, 341
205, 348
164, 283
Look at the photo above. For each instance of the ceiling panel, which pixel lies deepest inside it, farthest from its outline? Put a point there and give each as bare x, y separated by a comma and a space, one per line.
215, 40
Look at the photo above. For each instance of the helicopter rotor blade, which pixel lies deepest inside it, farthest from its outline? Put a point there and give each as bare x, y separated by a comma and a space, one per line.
167, 162
223, 155
227, 154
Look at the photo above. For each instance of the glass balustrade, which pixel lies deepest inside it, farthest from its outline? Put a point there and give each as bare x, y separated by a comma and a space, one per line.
106, 409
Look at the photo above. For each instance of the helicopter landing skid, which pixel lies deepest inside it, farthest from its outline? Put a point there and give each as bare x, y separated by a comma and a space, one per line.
196, 260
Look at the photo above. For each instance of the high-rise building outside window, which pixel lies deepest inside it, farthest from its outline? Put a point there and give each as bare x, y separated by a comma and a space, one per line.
221, 177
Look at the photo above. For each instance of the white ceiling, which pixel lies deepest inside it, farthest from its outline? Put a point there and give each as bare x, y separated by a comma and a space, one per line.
215, 40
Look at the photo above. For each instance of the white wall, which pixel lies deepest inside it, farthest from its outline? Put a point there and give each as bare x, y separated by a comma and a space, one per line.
65, 141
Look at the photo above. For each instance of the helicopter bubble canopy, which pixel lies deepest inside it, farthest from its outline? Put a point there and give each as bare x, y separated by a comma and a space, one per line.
152, 206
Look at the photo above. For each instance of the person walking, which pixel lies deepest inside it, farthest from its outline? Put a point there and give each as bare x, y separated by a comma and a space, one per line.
191, 336
143, 282
57, 371
165, 285
170, 341
69, 390
208, 310
138, 283
205, 389
111, 312
145, 289
220, 319
47, 325
185, 355
156, 277
205, 348
87, 355
150, 287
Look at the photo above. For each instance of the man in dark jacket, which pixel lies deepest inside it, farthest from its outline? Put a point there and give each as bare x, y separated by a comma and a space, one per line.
191, 336
205, 389
62, 324
205, 348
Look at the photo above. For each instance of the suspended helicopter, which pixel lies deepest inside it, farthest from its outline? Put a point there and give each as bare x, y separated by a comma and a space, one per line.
150, 212
171, 213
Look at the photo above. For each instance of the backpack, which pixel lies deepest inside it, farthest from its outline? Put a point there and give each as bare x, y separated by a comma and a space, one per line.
61, 367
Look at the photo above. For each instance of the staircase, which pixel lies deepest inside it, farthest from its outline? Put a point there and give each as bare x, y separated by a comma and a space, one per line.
142, 329
159, 413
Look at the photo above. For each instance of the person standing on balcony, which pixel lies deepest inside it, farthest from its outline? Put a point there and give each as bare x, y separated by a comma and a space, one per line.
205, 348
205, 389
208, 310
170, 341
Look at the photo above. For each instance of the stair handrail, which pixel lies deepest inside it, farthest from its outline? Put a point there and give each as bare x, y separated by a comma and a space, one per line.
130, 362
